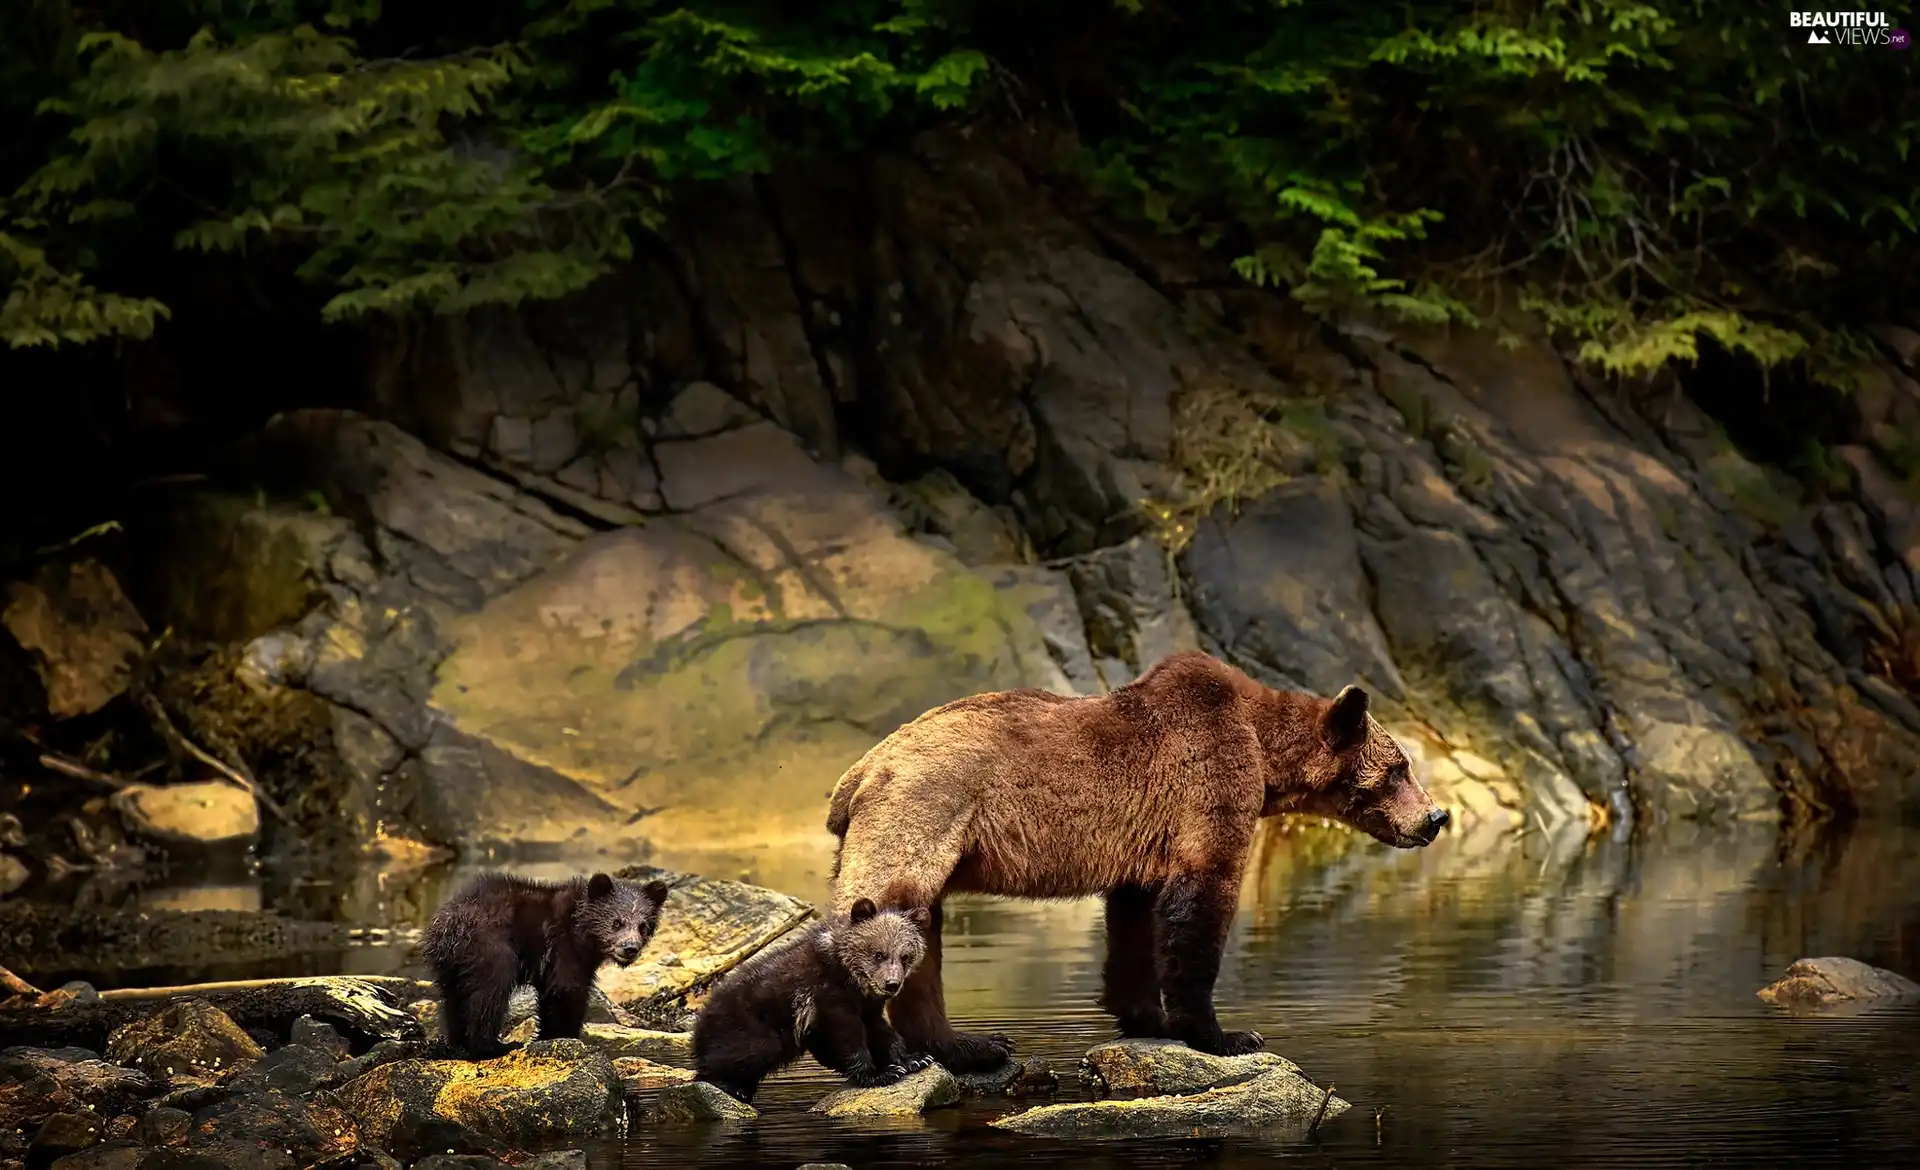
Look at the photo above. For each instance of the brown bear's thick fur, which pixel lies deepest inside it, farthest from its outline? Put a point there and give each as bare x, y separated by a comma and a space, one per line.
1149, 795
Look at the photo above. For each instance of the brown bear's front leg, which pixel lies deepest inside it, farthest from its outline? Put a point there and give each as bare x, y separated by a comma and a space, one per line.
919, 1013
1195, 911
1132, 992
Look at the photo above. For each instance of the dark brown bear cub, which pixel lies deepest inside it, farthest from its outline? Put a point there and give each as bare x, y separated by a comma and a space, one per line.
502, 931
824, 995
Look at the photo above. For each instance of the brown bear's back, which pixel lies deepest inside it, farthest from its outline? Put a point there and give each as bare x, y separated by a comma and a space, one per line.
1031, 792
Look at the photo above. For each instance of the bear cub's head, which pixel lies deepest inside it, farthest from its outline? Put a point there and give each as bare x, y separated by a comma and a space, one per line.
1357, 774
618, 918
880, 948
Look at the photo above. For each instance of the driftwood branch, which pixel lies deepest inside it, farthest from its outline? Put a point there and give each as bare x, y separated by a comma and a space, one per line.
358, 1006
233, 773
397, 984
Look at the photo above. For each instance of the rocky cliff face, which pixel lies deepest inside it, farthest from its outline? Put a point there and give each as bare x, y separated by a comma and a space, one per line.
665, 559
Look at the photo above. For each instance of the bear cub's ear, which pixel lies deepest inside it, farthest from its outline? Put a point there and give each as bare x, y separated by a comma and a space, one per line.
863, 910
599, 886
921, 917
656, 892
1345, 723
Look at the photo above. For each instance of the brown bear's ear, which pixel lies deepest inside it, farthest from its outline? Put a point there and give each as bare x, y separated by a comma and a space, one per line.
599, 886
920, 916
864, 909
656, 892
1345, 723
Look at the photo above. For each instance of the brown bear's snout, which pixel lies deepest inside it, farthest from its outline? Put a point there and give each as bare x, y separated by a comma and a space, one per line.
1436, 821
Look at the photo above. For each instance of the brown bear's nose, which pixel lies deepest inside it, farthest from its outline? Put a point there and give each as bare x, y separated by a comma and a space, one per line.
892, 985
1436, 821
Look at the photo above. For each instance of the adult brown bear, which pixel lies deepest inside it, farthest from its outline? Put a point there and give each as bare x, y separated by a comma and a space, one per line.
1149, 795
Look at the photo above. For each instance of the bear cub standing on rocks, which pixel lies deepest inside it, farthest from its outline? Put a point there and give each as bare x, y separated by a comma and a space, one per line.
825, 994
502, 931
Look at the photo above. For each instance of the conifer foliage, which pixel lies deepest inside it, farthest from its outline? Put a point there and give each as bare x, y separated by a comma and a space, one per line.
1646, 174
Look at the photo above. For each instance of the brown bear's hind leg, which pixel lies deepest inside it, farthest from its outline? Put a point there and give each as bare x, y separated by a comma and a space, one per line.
1195, 911
919, 1014
1132, 985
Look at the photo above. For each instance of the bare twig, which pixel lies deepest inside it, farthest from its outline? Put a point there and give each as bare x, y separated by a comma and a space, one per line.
1322, 1115
233, 773
13, 983
54, 762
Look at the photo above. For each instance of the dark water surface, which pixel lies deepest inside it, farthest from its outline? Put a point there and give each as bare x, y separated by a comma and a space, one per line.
1485, 1002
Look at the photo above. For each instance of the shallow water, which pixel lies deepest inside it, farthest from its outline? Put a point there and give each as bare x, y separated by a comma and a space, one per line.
1484, 1002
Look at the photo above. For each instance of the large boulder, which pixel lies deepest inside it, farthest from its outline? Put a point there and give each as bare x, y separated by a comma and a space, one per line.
209, 814
531, 678
707, 928
83, 633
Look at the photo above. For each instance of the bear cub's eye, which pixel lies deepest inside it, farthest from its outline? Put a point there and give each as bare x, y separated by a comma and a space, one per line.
879, 956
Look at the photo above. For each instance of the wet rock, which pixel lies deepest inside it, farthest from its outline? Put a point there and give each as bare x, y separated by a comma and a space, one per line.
638, 1074
210, 814
121, 1128
306, 1131
189, 1039
83, 633
1278, 1099
930, 1088
67, 1079
1027, 1077
554, 1160
164, 1127
707, 928
319, 1034
63, 1134
524, 1004
295, 1070
1168, 1066
116, 1155
415, 1136
548, 1089
696, 1101
1831, 981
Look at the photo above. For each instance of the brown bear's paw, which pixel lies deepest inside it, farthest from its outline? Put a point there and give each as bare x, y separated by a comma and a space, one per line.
1206, 1036
1221, 1043
960, 1053
1143, 1026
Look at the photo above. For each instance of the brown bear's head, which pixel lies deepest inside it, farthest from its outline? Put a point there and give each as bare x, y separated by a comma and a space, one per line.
880, 948
1355, 773
617, 918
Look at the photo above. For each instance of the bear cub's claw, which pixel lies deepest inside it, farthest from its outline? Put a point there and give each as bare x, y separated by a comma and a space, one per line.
1239, 1043
914, 1064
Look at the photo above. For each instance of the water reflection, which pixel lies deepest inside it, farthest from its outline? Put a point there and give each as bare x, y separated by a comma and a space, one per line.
1486, 1001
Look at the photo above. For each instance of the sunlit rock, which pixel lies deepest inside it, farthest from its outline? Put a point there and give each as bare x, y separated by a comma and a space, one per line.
1167, 1066
1278, 1099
